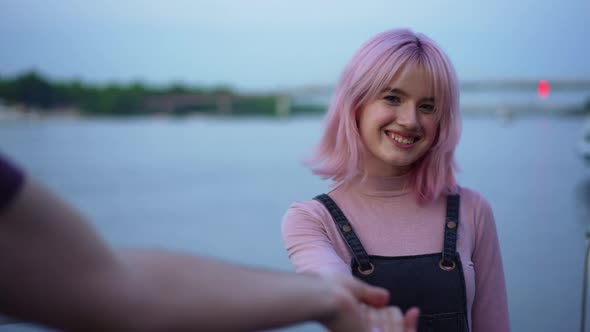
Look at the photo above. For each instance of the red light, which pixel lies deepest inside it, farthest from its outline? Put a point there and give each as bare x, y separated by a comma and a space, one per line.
543, 89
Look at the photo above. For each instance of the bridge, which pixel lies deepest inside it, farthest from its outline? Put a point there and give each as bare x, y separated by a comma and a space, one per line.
472, 85
286, 99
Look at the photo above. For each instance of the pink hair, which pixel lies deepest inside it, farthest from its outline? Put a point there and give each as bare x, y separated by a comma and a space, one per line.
372, 68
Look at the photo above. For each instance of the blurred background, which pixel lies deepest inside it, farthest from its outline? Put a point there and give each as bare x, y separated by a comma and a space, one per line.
183, 124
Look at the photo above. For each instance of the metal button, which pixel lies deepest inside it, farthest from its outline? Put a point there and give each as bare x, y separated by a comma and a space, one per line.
346, 228
451, 224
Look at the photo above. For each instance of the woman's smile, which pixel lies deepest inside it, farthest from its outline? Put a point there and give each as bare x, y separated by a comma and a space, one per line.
402, 140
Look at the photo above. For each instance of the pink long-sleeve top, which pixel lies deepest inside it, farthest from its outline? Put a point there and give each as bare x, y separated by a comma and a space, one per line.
389, 222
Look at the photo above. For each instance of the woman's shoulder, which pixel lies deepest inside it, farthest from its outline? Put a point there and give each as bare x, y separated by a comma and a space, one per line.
306, 219
305, 211
472, 198
476, 208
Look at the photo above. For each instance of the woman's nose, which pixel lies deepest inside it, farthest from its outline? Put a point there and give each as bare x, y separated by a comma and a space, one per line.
408, 116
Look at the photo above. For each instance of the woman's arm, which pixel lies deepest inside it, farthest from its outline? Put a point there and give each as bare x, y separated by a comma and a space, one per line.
490, 307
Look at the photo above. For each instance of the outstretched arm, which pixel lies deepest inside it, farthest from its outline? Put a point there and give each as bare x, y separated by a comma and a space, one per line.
56, 270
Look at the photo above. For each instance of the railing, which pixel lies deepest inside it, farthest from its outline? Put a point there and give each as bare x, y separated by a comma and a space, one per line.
470, 85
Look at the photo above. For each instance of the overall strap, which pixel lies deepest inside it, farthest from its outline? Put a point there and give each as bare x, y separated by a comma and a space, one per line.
354, 244
451, 225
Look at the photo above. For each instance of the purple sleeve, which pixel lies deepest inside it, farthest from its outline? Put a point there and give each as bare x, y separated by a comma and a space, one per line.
490, 306
11, 180
308, 244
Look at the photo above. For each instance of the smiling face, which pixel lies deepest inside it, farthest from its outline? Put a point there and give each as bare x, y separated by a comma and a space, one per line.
400, 125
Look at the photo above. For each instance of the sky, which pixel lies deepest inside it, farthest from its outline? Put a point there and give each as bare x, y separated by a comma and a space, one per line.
274, 44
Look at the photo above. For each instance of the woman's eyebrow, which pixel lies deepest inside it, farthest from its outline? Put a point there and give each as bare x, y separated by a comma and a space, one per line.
403, 93
395, 90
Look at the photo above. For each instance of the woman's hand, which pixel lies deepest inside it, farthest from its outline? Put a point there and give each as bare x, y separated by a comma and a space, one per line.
391, 319
361, 308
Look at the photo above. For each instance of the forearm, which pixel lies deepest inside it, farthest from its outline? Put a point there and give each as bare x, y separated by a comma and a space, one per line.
194, 292
56, 270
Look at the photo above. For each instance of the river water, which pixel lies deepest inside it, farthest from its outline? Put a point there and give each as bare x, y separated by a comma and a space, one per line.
219, 187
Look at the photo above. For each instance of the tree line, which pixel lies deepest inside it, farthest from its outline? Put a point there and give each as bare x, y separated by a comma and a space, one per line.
33, 90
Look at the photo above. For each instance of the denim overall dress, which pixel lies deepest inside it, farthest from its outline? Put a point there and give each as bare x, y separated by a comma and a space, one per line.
432, 282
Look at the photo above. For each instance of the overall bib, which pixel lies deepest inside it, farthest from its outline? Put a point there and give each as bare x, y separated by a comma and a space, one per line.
432, 282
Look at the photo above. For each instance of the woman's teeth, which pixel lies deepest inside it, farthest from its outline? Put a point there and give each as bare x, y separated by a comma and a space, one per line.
402, 140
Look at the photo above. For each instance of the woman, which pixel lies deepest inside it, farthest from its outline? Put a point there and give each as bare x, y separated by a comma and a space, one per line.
396, 216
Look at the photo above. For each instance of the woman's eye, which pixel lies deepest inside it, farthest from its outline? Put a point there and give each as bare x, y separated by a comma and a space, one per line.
392, 99
427, 108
